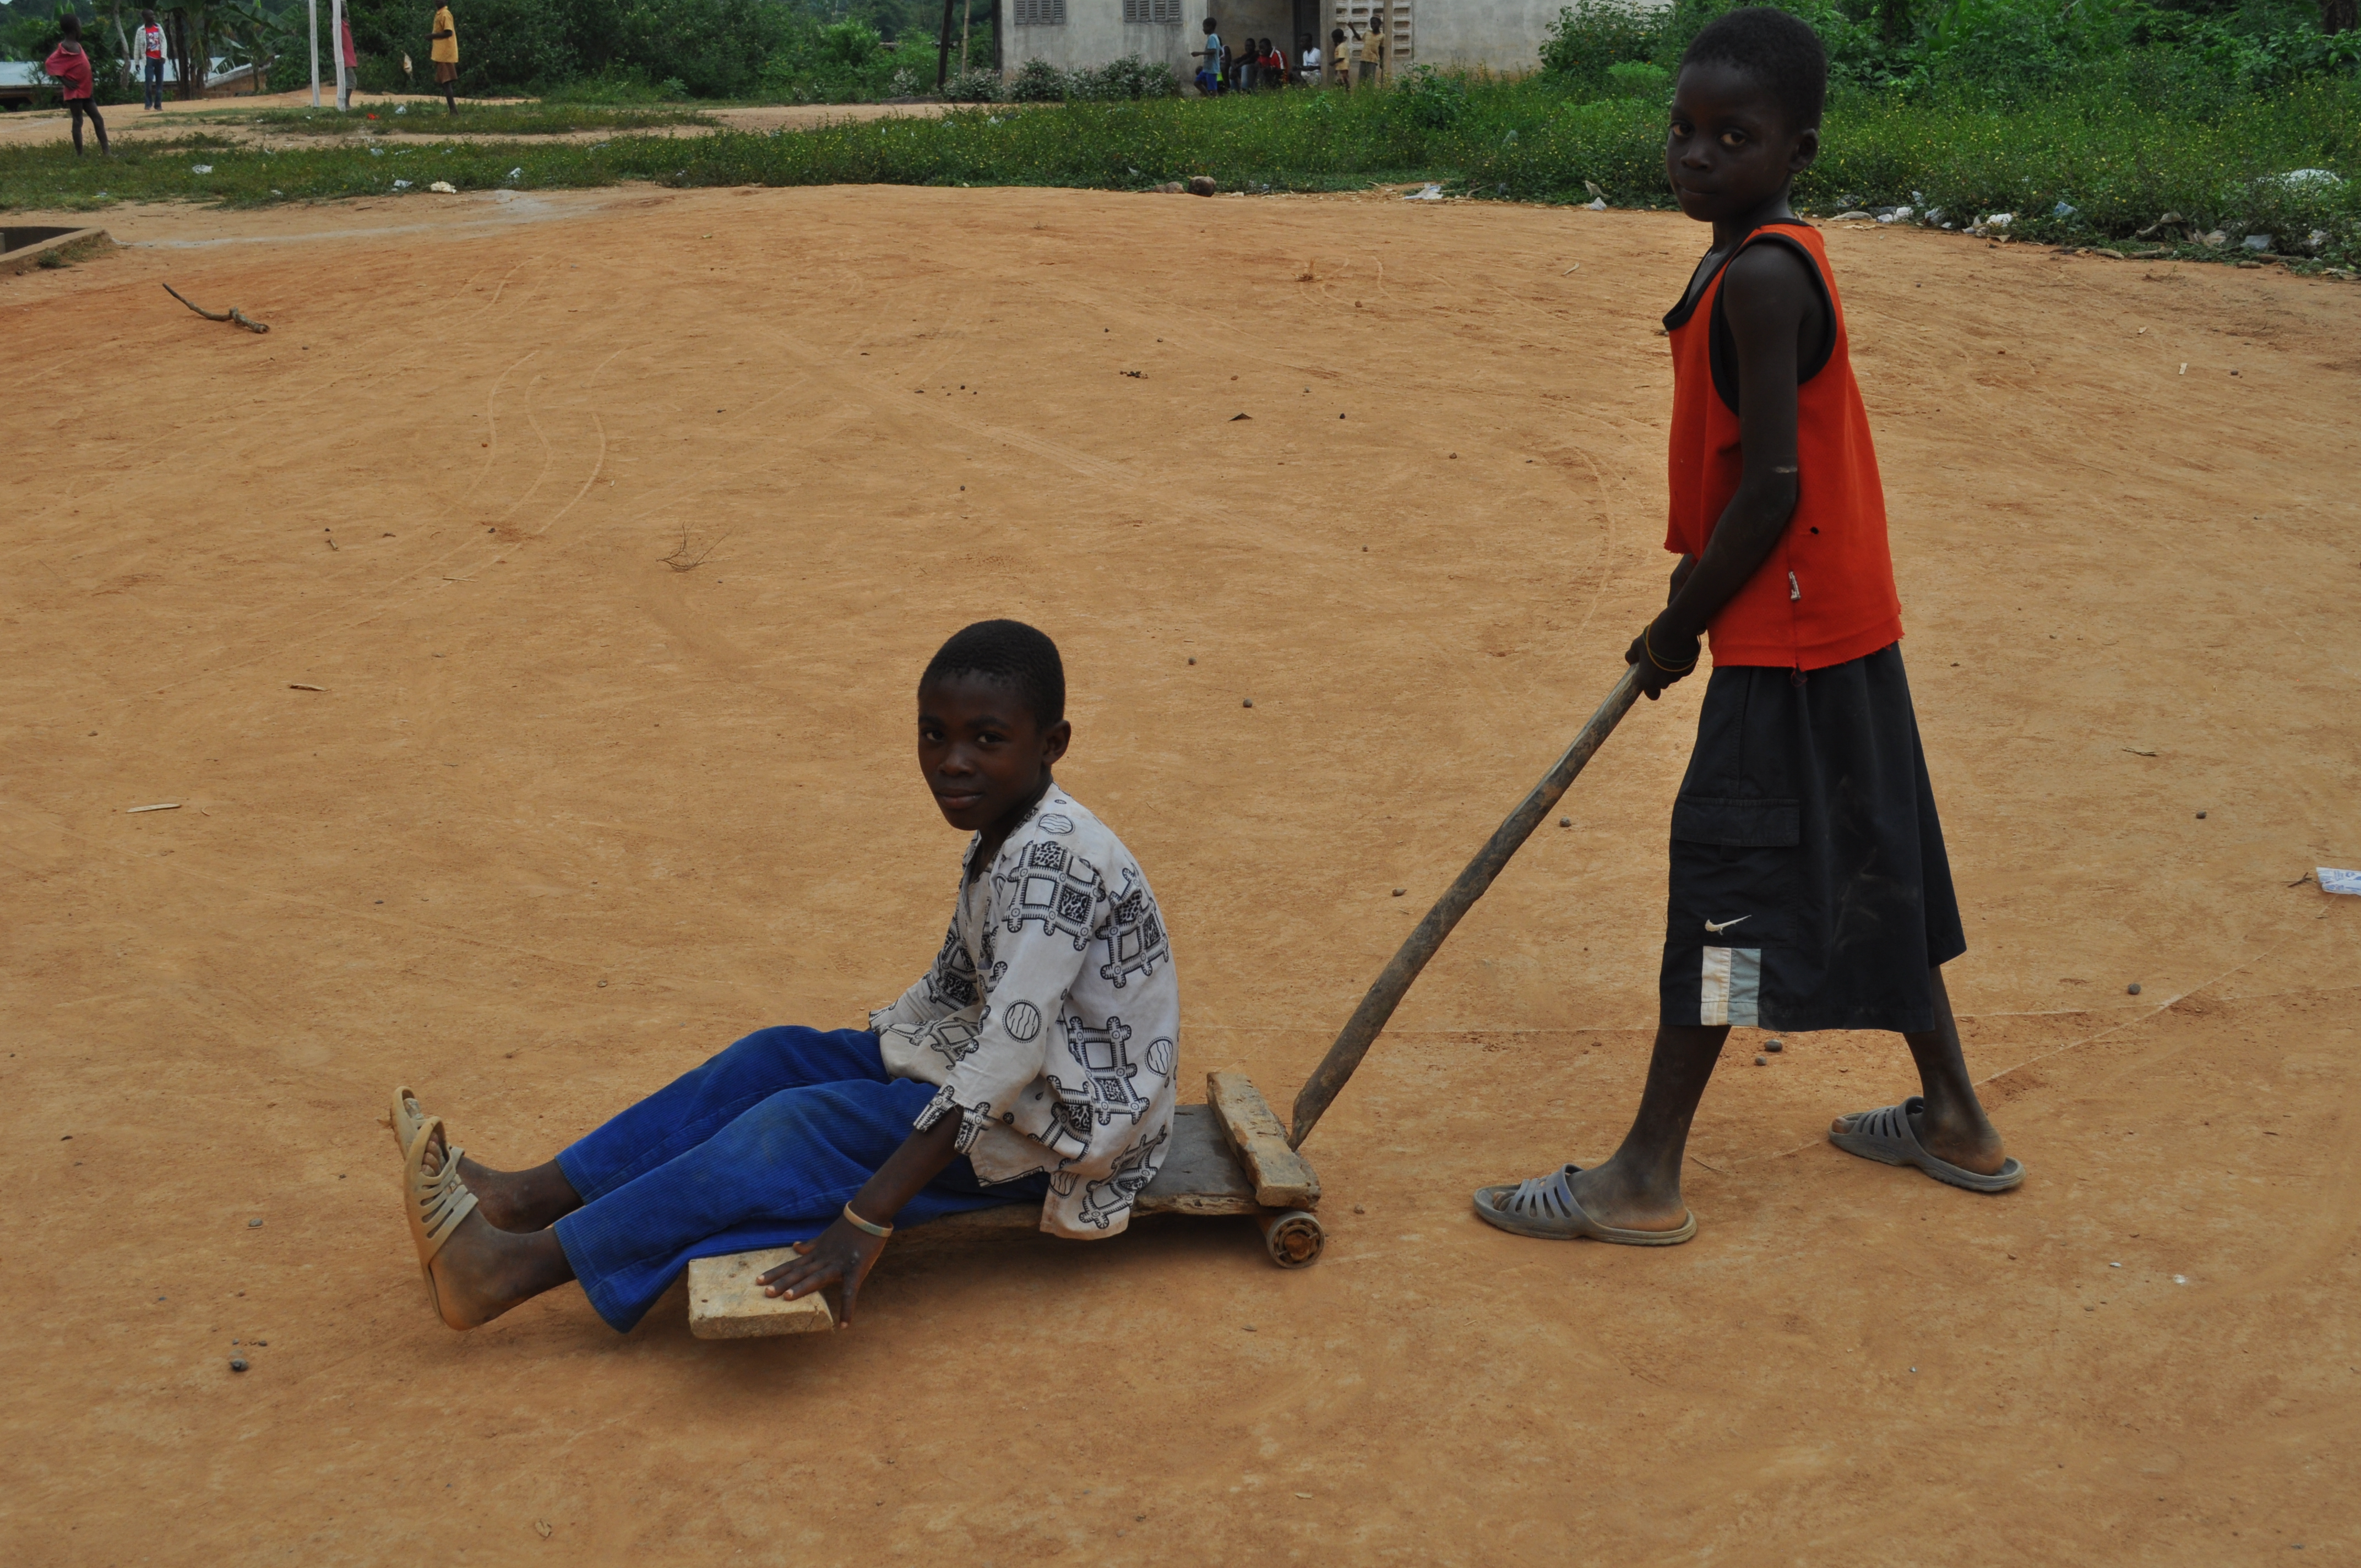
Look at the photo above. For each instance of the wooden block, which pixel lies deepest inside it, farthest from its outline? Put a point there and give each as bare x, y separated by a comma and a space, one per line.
724, 1302
1281, 1178
1200, 1175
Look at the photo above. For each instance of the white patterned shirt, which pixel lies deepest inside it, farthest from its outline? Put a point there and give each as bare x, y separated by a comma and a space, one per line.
1051, 1020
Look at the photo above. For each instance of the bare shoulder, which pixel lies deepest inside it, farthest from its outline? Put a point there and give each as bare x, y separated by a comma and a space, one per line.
1768, 277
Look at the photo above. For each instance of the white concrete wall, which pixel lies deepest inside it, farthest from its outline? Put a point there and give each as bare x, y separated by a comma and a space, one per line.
1498, 35
1094, 32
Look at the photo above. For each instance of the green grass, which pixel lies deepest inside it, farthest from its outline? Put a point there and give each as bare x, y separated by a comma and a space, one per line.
479, 119
2119, 164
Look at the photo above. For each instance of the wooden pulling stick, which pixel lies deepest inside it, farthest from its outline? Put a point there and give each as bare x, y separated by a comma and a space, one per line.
231, 314
1369, 1019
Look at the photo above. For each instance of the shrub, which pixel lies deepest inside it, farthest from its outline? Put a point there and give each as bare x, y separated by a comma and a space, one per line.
1128, 78
1639, 79
1429, 100
1036, 82
840, 62
964, 87
1591, 35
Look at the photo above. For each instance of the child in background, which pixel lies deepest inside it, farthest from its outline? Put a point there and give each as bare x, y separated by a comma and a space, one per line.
1810, 885
446, 52
70, 63
1209, 75
1274, 64
1035, 1059
151, 55
348, 65
1309, 49
1337, 62
1372, 70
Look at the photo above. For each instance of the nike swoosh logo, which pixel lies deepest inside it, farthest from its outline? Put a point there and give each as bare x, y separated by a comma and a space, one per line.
1718, 930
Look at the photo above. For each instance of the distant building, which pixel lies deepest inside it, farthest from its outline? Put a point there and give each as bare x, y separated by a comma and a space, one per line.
1498, 35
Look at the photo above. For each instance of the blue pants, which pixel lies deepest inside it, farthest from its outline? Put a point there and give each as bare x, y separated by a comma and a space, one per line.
155, 84
763, 1145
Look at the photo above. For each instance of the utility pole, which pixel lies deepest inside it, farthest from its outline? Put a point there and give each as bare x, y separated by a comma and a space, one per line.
314, 6
943, 49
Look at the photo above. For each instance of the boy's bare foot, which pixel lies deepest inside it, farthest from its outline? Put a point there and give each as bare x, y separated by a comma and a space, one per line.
482, 1271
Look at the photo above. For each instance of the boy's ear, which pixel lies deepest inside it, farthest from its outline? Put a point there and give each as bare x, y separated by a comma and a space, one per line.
1055, 740
1806, 151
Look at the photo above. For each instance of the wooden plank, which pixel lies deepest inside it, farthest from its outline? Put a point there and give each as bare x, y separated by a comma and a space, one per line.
1280, 1176
724, 1302
1200, 1175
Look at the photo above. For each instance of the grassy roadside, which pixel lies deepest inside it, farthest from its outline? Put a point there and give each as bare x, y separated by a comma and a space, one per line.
2112, 166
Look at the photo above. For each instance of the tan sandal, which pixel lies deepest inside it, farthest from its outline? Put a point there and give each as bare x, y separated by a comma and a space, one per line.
408, 1116
437, 1204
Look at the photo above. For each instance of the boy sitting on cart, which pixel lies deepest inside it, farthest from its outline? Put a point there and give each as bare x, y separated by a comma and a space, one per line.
1034, 1060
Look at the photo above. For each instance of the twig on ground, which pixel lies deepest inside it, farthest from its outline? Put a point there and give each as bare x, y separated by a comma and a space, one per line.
231, 314
681, 560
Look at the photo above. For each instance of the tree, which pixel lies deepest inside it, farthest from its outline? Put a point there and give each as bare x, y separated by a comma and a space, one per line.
2338, 16
189, 37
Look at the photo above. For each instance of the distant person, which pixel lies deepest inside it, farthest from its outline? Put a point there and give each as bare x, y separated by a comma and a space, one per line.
1308, 54
1209, 75
151, 53
348, 65
1337, 62
1274, 64
1809, 886
1371, 72
70, 63
446, 56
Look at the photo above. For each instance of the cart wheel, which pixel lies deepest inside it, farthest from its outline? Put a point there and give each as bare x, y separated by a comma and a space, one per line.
1293, 1237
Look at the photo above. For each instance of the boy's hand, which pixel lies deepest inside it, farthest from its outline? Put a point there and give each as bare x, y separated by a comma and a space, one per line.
840, 1256
1651, 651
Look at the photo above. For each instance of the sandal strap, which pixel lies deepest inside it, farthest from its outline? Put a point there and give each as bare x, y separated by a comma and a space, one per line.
1544, 1197
439, 1201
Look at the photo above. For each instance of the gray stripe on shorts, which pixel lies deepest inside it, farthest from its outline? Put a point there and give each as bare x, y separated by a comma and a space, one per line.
1730, 987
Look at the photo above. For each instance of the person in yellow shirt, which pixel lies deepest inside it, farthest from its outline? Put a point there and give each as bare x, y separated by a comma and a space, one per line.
1371, 64
446, 56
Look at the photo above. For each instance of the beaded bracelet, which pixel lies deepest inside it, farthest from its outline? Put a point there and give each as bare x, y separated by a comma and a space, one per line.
1668, 669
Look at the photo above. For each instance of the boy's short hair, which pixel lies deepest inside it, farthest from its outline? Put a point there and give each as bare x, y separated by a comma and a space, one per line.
70, 25
1776, 49
1013, 653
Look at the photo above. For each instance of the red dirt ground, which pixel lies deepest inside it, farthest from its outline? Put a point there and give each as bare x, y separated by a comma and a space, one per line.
563, 820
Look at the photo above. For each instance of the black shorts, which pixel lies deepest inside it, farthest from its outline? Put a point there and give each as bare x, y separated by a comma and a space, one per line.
1809, 886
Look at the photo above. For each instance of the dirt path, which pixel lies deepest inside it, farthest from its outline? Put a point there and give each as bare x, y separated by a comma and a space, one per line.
561, 820
230, 118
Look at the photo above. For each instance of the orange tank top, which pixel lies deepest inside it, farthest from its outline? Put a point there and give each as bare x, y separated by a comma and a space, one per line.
1825, 594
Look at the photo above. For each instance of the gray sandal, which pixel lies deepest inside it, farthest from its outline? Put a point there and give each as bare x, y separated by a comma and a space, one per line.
1885, 1136
1544, 1206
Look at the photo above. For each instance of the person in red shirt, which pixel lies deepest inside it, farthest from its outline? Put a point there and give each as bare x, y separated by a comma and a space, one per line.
70, 63
151, 57
1809, 886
